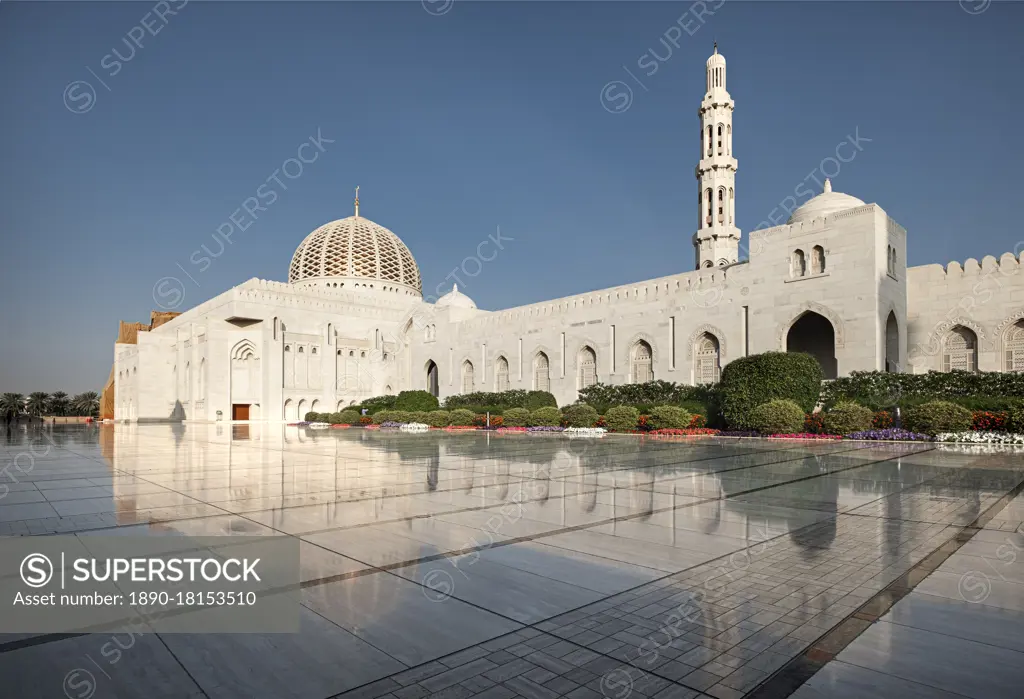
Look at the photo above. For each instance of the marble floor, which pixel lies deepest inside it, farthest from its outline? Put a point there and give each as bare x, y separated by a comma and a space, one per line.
538, 566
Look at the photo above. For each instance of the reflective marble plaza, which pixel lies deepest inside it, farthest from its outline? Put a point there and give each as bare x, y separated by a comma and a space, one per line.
455, 565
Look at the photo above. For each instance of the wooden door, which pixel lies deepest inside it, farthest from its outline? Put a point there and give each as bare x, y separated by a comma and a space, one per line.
240, 411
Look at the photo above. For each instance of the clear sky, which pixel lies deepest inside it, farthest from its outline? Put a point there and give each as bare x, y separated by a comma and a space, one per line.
455, 120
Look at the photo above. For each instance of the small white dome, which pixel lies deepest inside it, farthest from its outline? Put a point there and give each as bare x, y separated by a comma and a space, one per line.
455, 299
828, 202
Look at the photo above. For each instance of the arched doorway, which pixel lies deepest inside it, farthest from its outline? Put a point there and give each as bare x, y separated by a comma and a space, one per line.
892, 344
813, 333
432, 382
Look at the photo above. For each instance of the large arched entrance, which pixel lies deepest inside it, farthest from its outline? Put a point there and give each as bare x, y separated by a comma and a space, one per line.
813, 333
892, 344
432, 382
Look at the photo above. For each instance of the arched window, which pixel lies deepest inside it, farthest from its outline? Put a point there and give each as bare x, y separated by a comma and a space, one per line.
798, 264
640, 363
721, 205
1015, 347
709, 142
709, 206
732, 206
728, 140
587, 362
960, 350
817, 260
707, 360
720, 151
541, 372
467, 376
501, 375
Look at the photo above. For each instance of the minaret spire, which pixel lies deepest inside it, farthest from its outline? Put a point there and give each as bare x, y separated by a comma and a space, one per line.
357, 201
717, 239
828, 185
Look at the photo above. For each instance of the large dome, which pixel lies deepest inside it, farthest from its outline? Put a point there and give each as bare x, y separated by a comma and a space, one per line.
828, 202
355, 251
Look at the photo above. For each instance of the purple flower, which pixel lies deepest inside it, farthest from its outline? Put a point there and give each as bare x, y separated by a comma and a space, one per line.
891, 434
545, 428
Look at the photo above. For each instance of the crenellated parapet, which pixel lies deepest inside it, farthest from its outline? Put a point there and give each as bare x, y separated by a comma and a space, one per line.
1007, 264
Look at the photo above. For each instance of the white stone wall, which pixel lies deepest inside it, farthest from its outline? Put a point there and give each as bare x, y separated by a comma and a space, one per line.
987, 297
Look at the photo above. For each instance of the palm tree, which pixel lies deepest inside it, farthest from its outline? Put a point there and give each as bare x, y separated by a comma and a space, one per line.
59, 403
87, 403
36, 404
11, 406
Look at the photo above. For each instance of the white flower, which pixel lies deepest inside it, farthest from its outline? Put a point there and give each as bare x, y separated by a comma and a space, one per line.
414, 427
973, 437
585, 431
319, 425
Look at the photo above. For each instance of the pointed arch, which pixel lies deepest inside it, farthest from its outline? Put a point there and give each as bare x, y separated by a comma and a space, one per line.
813, 334
960, 349
706, 329
813, 307
586, 366
501, 381
541, 372
246, 348
641, 362
468, 379
707, 359
1013, 346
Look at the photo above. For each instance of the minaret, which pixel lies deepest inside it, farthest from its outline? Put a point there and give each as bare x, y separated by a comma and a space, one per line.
717, 239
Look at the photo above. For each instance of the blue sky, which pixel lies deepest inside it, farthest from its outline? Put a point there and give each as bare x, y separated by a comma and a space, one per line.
488, 115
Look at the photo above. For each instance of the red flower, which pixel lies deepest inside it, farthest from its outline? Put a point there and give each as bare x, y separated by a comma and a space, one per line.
882, 420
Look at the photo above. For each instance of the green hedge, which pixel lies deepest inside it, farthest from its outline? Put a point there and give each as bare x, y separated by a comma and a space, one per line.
937, 416
438, 418
668, 417
645, 396
382, 416
347, 417
375, 405
579, 415
622, 418
460, 417
778, 416
516, 417
847, 417
986, 390
749, 382
497, 403
546, 417
416, 401
312, 417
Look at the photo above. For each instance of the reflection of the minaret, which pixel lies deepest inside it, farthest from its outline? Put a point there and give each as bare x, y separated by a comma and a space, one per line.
587, 494
826, 488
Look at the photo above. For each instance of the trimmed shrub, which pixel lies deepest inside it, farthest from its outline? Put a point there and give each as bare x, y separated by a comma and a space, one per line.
438, 418
460, 417
333, 418
348, 417
546, 417
419, 416
622, 418
778, 416
937, 416
540, 399
312, 417
383, 416
750, 382
517, 417
668, 417
416, 401
579, 415
846, 417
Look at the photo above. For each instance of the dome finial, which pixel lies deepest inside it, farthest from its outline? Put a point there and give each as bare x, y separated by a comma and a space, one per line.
455, 288
716, 47
357, 201
828, 185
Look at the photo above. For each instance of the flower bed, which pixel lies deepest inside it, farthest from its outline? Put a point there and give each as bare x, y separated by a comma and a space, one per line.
976, 437
340, 427
805, 435
512, 429
414, 427
890, 434
545, 428
990, 421
738, 433
459, 428
685, 432
372, 427
391, 424
319, 425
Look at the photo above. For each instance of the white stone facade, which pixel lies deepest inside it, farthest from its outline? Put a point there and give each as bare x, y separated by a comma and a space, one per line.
351, 323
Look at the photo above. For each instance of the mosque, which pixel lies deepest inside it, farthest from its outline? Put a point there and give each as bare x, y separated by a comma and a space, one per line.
351, 321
